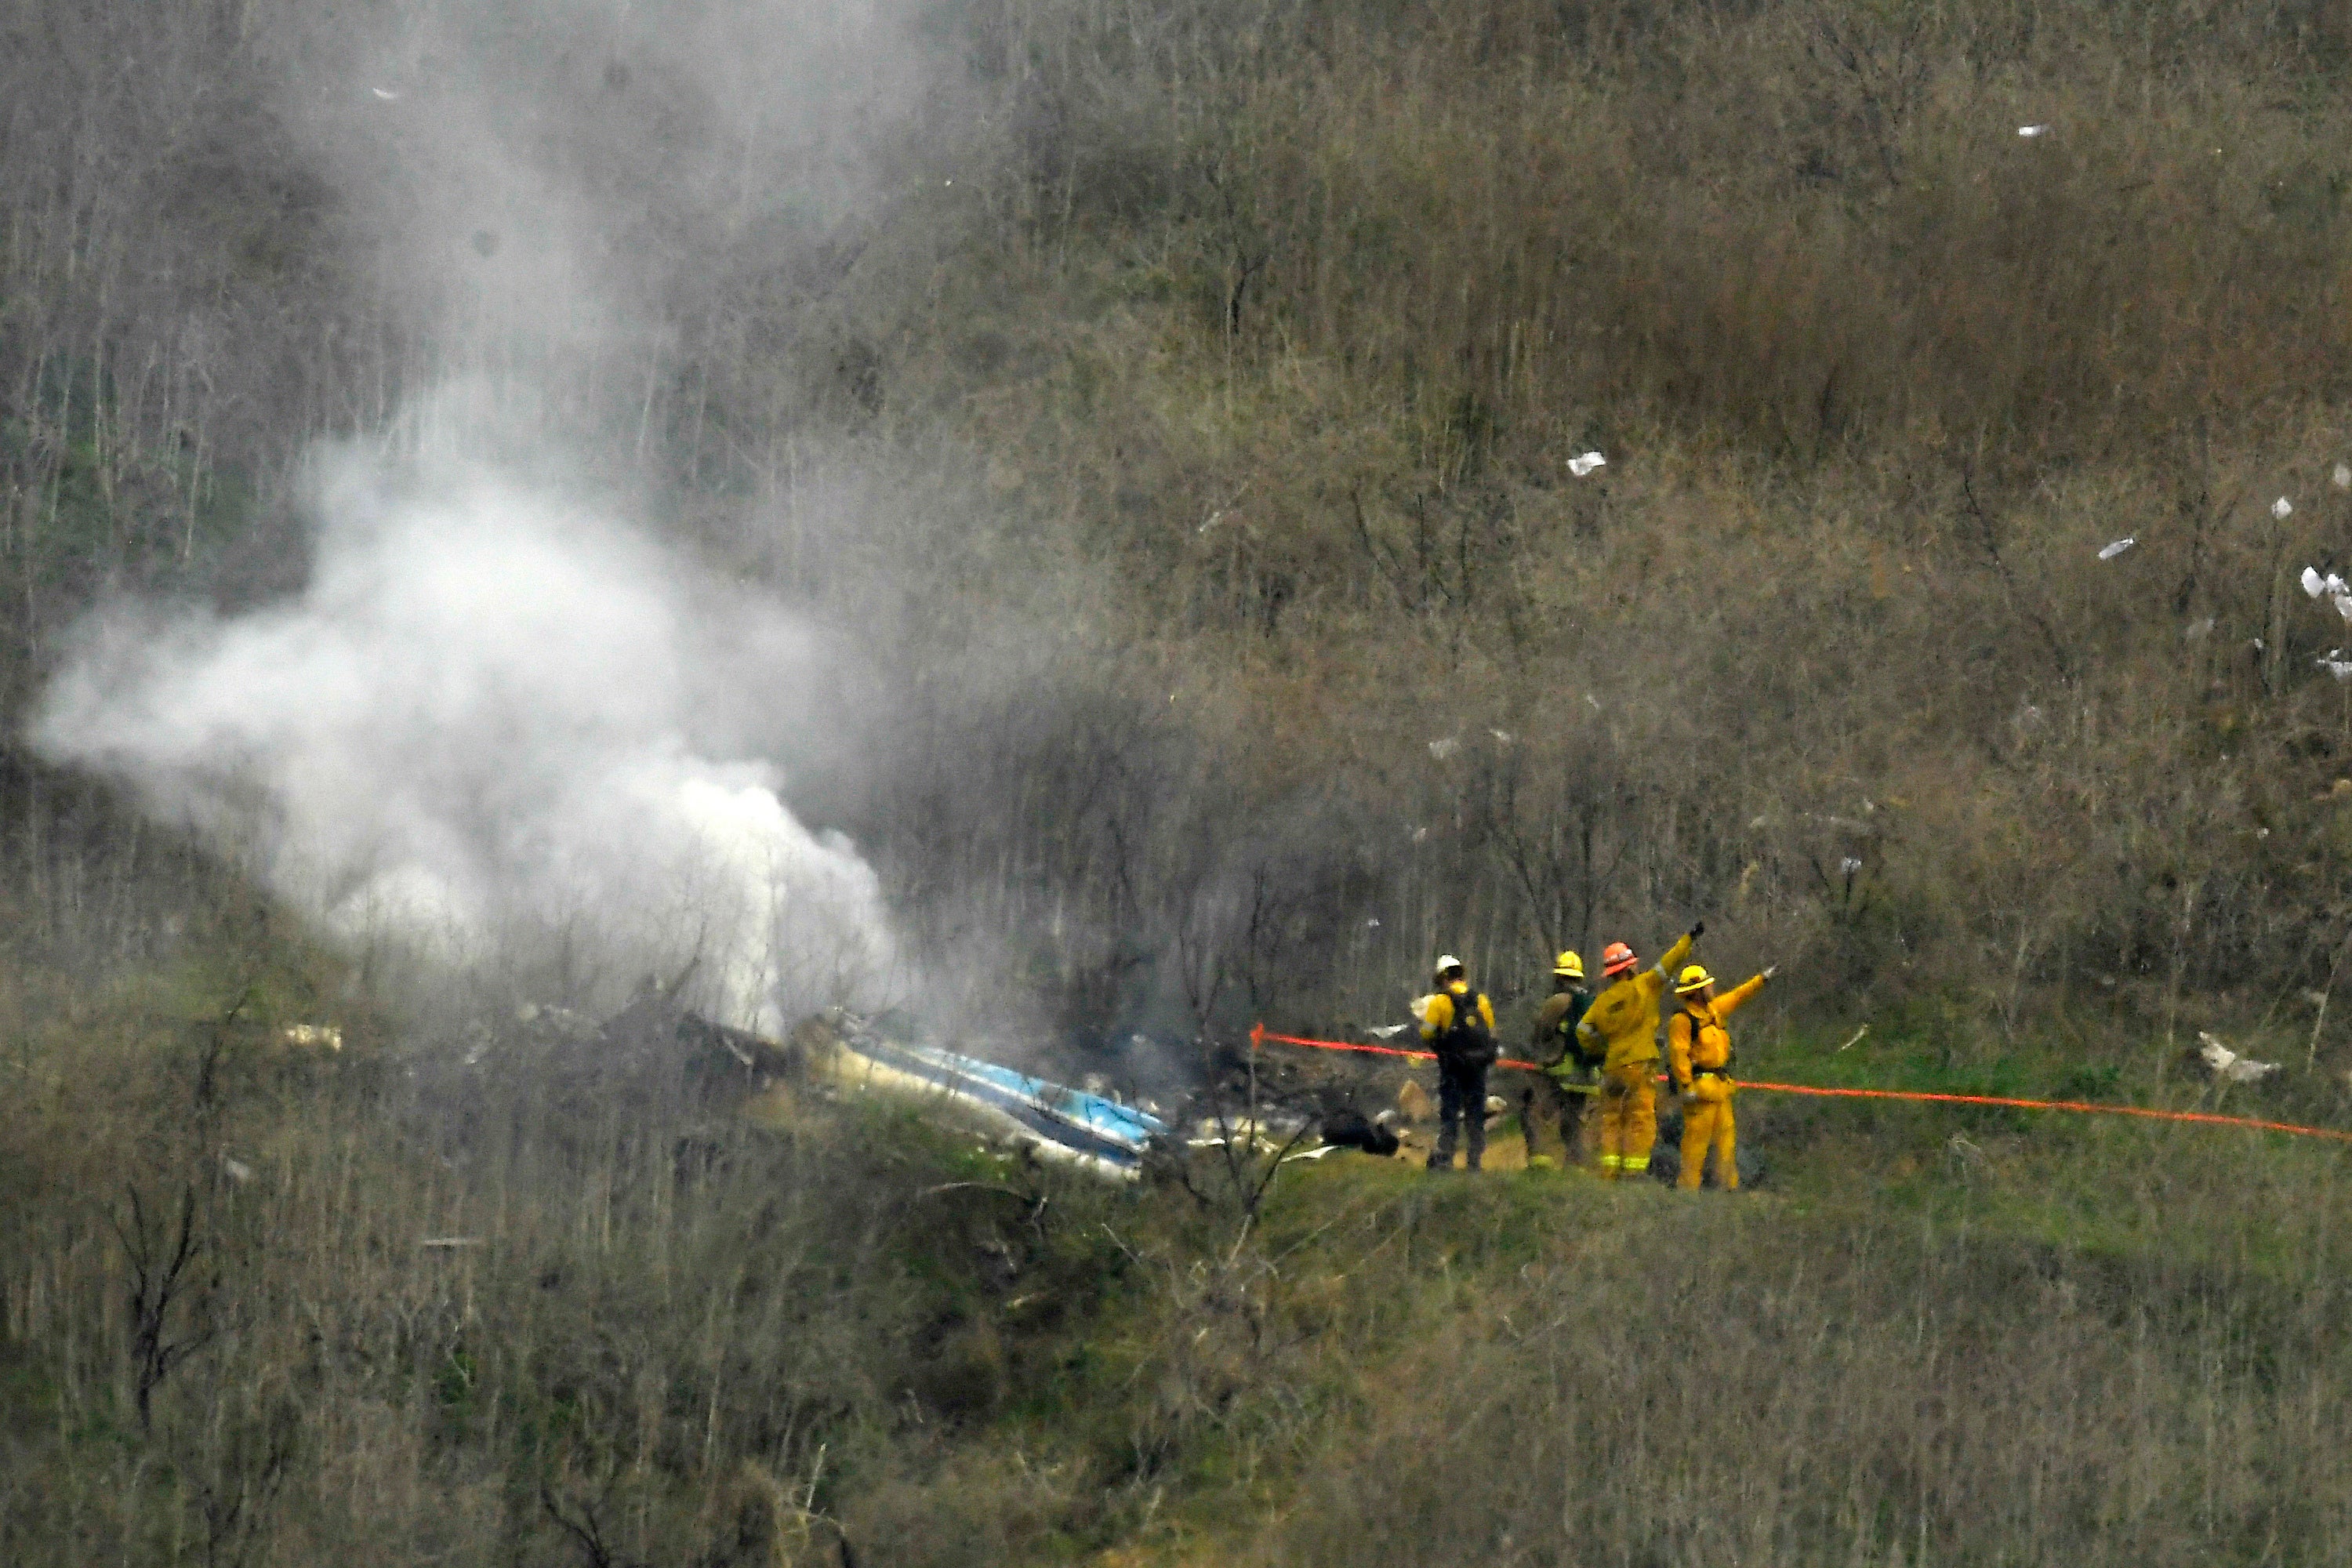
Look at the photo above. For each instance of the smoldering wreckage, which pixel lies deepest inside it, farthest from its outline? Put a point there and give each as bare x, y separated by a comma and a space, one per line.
1271, 1104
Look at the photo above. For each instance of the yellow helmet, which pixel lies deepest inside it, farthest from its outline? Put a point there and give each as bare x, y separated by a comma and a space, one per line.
1568, 965
1692, 978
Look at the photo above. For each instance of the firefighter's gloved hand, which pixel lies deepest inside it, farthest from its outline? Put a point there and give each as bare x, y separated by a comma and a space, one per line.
1770, 969
1697, 930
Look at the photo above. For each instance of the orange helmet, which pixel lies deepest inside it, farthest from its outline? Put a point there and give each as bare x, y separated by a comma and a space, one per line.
1617, 959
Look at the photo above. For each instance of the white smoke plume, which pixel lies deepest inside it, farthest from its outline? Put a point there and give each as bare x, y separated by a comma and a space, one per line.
486, 722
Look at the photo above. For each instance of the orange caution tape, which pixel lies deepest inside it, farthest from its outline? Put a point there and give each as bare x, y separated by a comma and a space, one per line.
1258, 1037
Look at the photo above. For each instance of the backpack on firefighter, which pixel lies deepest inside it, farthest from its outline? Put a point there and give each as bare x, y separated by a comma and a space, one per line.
1466, 1039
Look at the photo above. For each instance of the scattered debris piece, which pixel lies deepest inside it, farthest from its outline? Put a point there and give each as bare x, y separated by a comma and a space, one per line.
1502, 737
1444, 747
1584, 465
2343, 475
1387, 1031
1854, 1039
237, 1170
1052, 1121
2195, 630
2227, 1065
2282, 509
2030, 132
1350, 1129
2109, 553
1850, 865
319, 1037
386, 94
2336, 664
449, 1243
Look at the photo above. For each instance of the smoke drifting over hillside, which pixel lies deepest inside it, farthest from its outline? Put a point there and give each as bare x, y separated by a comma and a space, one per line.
499, 722
480, 722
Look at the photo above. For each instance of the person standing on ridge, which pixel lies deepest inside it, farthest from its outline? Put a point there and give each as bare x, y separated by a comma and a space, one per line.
1553, 1109
1698, 1054
1458, 1022
1622, 1028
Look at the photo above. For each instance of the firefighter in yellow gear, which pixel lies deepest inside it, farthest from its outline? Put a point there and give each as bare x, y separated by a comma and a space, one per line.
1698, 1055
1555, 1108
1620, 1028
1458, 1023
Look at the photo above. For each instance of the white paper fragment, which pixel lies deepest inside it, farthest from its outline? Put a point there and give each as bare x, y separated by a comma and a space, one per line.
2228, 1065
1373, 924
1593, 702
2031, 130
386, 94
1502, 737
2282, 509
2117, 548
1850, 865
1387, 1031
2343, 475
2336, 665
2313, 584
2343, 606
1444, 747
2197, 629
1584, 465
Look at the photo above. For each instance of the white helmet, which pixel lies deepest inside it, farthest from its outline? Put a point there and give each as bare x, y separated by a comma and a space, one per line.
1446, 963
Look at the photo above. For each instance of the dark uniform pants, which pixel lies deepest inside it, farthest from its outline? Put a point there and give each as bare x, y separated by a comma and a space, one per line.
1554, 1118
1461, 1098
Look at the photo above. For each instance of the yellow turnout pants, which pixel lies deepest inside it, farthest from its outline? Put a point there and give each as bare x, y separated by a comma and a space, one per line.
1629, 1119
1707, 1124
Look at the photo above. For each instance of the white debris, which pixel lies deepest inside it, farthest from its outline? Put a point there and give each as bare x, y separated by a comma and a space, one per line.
1850, 865
237, 1170
1502, 737
1591, 702
325, 1036
2343, 475
2282, 509
2228, 1065
1373, 924
1584, 465
2117, 548
2194, 630
1445, 747
2336, 664
2313, 584
1387, 1031
386, 94
2030, 132
446, 1242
